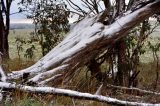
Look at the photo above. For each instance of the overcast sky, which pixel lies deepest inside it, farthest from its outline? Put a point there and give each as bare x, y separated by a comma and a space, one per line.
20, 18
14, 8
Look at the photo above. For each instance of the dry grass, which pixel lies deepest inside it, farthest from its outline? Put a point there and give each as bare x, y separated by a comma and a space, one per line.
24, 34
17, 64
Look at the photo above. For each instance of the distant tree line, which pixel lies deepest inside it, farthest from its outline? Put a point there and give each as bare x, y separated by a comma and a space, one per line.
22, 26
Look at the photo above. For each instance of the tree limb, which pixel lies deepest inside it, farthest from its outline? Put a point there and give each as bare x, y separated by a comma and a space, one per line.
134, 89
73, 94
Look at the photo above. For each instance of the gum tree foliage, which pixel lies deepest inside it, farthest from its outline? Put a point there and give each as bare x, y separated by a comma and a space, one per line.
19, 45
51, 21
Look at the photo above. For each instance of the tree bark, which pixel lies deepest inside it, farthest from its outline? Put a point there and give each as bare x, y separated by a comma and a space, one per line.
122, 77
5, 26
1, 32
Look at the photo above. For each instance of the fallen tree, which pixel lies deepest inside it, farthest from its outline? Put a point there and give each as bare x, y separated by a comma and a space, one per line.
87, 38
83, 43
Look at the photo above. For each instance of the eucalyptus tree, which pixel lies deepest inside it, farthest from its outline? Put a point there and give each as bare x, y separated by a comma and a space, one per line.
122, 56
51, 21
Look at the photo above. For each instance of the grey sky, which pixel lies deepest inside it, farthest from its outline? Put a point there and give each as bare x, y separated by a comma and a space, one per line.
22, 17
14, 8
16, 18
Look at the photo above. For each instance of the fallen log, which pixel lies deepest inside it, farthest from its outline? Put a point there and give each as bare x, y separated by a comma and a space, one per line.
71, 93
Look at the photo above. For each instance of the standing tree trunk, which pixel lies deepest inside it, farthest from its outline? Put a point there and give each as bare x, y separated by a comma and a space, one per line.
7, 27
1, 31
4, 27
122, 77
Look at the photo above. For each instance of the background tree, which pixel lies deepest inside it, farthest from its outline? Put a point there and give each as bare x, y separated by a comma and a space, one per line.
51, 21
5, 6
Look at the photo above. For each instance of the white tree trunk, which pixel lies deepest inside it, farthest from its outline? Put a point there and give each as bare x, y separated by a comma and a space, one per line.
85, 41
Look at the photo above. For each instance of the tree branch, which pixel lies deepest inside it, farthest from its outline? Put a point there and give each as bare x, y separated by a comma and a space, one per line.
71, 93
141, 91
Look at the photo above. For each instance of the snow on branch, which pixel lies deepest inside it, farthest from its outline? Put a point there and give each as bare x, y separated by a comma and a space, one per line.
71, 93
